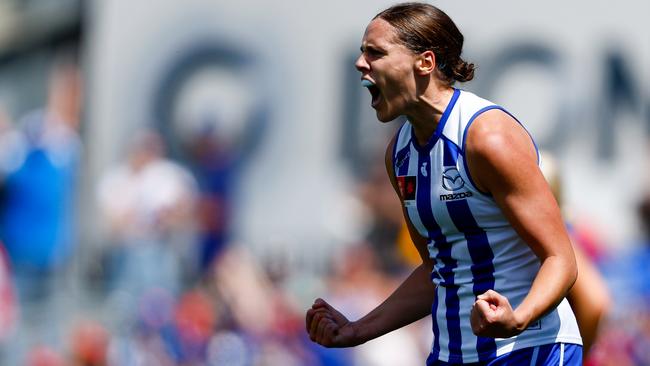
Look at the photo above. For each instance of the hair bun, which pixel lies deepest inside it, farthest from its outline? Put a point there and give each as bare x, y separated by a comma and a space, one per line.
463, 71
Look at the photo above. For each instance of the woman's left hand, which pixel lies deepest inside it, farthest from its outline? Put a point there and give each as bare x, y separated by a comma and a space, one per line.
493, 316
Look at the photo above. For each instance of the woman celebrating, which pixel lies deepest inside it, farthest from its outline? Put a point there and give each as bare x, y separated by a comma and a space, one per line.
497, 261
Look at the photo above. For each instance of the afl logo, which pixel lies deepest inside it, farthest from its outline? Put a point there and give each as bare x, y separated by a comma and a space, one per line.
451, 179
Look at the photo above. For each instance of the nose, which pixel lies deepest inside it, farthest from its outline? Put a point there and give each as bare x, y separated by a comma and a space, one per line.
362, 64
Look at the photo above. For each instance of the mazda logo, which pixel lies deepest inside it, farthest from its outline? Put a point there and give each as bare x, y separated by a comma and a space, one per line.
451, 179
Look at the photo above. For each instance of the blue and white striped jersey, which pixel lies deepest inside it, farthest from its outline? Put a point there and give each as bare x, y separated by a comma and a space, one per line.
474, 246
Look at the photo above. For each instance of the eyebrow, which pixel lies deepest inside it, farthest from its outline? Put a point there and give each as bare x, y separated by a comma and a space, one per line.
371, 48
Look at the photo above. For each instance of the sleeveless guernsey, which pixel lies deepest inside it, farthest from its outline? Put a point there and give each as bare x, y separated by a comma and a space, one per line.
473, 245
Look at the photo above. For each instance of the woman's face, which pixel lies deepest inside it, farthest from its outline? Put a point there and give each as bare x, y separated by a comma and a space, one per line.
387, 68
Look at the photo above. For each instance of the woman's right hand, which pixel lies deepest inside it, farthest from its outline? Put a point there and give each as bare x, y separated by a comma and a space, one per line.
328, 327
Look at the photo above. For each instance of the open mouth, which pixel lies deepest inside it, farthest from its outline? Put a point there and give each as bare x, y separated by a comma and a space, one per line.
374, 91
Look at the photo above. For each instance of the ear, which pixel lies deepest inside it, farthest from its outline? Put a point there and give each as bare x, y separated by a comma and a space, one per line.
425, 63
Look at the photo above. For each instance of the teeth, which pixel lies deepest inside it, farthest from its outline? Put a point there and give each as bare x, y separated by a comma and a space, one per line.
366, 83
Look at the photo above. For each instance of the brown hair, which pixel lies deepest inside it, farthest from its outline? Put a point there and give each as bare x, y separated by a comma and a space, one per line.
423, 27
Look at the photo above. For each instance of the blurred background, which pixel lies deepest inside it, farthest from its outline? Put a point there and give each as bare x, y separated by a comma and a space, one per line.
180, 179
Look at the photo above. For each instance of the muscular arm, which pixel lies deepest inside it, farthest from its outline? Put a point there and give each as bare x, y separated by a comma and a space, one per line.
503, 161
410, 302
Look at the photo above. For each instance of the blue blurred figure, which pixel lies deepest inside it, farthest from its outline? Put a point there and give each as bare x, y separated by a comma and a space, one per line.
37, 212
37, 221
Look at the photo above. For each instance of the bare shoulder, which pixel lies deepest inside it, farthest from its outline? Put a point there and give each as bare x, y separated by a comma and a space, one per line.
497, 133
389, 159
497, 143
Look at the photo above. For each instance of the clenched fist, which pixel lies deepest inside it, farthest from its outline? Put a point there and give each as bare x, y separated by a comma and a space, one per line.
492, 316
328, 327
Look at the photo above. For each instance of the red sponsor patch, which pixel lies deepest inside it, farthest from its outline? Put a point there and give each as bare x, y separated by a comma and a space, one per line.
407, 186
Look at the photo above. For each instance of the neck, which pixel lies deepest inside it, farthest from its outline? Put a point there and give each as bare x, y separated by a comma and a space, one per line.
426, 115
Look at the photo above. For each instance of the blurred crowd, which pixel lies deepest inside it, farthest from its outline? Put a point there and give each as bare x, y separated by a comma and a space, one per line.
168, 286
